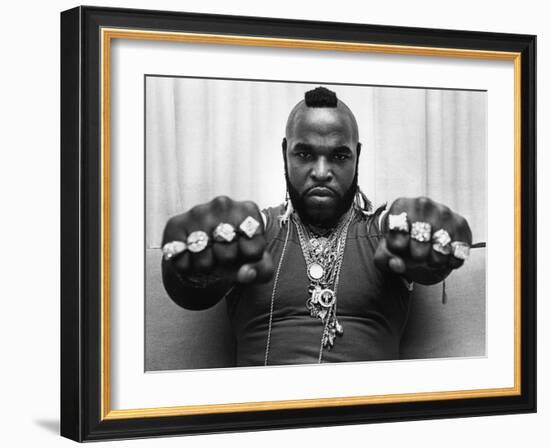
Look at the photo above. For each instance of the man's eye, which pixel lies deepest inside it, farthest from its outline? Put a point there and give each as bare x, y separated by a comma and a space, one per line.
303, 155
340, 157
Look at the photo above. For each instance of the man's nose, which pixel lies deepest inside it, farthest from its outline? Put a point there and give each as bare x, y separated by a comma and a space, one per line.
322, 171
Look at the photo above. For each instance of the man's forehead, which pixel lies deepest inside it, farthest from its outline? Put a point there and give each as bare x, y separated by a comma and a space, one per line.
323, 121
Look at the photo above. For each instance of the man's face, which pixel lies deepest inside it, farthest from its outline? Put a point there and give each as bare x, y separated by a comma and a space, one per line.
321, 160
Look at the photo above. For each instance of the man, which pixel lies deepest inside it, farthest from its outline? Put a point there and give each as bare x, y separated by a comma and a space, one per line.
320, 278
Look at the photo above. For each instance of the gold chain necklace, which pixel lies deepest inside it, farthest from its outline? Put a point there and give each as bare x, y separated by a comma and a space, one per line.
323, 256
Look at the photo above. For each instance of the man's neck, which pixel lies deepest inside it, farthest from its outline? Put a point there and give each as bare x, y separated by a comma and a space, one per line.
323, 230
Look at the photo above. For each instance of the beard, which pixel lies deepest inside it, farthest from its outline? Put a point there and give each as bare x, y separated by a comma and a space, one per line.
321, 218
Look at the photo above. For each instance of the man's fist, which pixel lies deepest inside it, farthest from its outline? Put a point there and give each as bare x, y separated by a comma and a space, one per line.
423, 240
229, 251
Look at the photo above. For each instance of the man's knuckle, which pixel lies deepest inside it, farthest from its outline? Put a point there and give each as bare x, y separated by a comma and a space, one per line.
250, 206
172, 224
461, 222
200, 212
223, 202
445, 214
398, 203
424, 203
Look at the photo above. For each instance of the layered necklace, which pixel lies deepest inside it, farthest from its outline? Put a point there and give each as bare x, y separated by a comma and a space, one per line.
323, 255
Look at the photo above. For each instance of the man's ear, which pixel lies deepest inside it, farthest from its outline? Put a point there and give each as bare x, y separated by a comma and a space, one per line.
283, 146
358, 150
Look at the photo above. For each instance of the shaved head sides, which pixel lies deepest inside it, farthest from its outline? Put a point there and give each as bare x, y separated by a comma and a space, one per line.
320, 98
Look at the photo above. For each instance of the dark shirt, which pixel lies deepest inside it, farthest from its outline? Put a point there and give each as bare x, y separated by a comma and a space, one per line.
372, 306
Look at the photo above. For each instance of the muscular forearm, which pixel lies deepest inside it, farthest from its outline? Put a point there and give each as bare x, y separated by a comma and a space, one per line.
196, 293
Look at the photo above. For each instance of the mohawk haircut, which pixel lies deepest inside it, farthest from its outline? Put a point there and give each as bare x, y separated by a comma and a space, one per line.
321, 97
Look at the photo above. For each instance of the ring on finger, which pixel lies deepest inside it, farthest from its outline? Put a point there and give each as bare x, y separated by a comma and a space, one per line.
421, 231
249, 226
173, 248
461, 250
441, 242
224, 233
197, 241
398, 223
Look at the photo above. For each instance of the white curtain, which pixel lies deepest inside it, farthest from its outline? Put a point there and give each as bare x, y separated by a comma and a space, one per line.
207, 137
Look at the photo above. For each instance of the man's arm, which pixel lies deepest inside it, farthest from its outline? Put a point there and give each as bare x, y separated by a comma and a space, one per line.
198, 275
423, 240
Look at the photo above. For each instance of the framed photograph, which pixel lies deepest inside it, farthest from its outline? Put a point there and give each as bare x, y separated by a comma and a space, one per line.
272, 223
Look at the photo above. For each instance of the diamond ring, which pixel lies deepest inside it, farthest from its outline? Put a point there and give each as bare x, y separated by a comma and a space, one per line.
421, 231
249, 226
224, 233
461, 250
173, 248
441, 242
197, 241
398, 223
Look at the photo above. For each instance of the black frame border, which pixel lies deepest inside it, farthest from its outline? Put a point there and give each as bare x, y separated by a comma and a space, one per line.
81, 223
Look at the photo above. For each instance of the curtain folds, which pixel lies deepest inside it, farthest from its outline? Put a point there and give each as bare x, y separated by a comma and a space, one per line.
210, 137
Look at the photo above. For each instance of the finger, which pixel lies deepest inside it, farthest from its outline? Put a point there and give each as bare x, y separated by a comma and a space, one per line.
444, 223
252, 249
397, 265
397, 240
261, 272
387, 260
437, 260
248, 209
203, 262
201, 219
182, 262
174, 232
454, 262
463, 233
419, 250
221, 204
441, 240
246, 274
459, 231
225, 253
264, 268
423, 218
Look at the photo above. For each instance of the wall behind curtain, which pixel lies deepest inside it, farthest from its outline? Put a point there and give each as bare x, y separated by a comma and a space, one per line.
208, 137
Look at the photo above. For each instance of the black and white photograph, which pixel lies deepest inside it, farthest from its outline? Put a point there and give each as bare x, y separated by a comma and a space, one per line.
293, 223
275, 224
